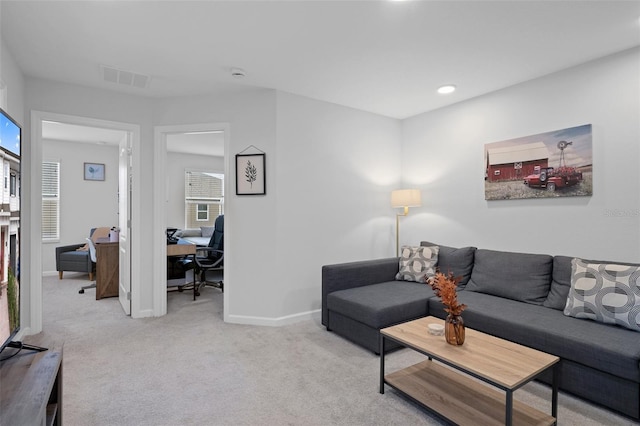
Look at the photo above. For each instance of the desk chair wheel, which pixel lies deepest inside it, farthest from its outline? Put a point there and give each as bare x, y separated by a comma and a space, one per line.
81, 291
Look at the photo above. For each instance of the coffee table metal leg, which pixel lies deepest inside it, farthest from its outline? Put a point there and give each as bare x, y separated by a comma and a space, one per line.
381, 338
509, 414
554, 391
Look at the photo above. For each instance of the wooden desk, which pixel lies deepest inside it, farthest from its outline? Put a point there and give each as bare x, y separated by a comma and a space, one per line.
182, 250
31, 391
107, 269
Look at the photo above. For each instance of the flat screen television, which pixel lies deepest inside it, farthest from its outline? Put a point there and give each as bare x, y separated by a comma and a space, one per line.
10, 138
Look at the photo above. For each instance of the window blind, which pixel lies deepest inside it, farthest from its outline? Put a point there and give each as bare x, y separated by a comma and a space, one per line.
50, 200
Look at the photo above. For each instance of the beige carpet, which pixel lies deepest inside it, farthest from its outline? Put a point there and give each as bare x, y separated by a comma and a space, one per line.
190, 368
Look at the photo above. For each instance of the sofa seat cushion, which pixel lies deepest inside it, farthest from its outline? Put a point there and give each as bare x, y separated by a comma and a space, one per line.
609, 348
383, 304
518, 276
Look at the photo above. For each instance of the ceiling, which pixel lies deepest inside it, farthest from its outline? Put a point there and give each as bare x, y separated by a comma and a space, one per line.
386, 57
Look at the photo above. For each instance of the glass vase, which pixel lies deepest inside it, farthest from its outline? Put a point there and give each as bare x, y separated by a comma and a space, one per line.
454, 329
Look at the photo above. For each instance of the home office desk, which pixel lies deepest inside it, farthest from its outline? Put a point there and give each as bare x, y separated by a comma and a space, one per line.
107, 268
184, 250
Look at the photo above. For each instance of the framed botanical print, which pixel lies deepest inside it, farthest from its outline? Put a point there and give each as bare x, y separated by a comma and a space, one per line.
250, 174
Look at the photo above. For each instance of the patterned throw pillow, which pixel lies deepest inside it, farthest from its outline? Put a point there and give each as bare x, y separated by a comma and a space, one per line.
605, 292
416, 262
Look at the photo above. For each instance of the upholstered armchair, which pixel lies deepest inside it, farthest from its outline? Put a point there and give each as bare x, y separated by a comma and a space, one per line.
69, 258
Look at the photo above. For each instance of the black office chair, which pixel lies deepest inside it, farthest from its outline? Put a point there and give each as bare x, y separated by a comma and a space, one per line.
209, 261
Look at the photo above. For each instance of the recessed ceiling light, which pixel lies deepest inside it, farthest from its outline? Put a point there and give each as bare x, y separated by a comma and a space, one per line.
446, 89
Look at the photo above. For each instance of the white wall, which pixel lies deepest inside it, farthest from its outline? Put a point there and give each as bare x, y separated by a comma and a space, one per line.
249, 221
177, 164
11, 76
330, 171
84, 204
336, 169
60, 98
443, 155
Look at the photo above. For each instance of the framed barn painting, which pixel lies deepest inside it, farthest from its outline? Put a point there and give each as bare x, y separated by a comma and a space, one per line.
551, 164
250, 174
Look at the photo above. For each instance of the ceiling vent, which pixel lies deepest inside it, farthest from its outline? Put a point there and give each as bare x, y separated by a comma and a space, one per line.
126, 78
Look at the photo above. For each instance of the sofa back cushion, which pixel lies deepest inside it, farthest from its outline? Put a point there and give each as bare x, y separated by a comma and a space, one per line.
458, 261
189, 232
560, 283
518, 276
561, 280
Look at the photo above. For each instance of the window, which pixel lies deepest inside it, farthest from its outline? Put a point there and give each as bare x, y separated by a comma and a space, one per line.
202, 212
50, 200
204, 198
13, 187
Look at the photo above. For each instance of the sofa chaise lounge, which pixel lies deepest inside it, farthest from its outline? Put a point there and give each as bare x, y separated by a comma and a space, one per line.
520, 297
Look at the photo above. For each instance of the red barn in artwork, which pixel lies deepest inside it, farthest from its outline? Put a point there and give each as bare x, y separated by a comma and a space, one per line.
516, 161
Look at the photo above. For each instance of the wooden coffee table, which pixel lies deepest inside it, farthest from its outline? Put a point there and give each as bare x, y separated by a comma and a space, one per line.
453, 387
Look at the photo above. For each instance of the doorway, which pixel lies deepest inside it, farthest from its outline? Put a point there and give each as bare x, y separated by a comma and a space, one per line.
202, 139
129, 140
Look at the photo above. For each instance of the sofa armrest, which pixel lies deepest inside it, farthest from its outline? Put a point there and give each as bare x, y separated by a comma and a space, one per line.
355, 274
63, 249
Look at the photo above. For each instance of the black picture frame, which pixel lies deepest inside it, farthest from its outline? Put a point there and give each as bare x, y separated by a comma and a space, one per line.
93, 171
251, 174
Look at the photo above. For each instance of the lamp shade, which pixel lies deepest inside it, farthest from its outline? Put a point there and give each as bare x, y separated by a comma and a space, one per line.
405, 198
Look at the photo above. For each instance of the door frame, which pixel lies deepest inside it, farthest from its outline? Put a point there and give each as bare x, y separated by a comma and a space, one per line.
33, 256
160, 205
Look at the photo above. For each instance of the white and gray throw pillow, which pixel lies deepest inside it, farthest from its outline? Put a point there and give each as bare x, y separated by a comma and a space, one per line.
605, 292
416, 262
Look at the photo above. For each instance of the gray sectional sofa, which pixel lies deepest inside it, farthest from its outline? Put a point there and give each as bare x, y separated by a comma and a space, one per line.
520, 297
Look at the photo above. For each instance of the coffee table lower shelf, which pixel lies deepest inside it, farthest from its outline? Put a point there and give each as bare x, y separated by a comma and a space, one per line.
460, 398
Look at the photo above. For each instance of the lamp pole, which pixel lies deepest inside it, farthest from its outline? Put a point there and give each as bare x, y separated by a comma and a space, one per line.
406, 212
404, 198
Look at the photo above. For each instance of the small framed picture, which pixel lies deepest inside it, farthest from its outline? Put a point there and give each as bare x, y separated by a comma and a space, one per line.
250, 174
93, 171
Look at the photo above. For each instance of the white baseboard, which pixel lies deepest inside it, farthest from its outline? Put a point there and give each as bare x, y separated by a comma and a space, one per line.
145, 313
272, 322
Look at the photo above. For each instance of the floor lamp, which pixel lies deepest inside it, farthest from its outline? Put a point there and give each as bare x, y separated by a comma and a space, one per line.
404, 198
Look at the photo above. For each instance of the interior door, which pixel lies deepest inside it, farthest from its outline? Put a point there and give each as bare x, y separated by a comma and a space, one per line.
124, 223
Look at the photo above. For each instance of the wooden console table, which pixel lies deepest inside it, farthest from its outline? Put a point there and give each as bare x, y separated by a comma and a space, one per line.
107, 269
31, 388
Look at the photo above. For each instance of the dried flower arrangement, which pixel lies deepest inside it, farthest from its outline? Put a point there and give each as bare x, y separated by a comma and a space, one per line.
445, 287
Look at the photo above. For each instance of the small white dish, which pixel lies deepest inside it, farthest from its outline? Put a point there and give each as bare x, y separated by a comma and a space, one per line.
436, 329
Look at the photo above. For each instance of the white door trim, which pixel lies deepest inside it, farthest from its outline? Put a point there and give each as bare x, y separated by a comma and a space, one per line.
160, 205
33, 256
